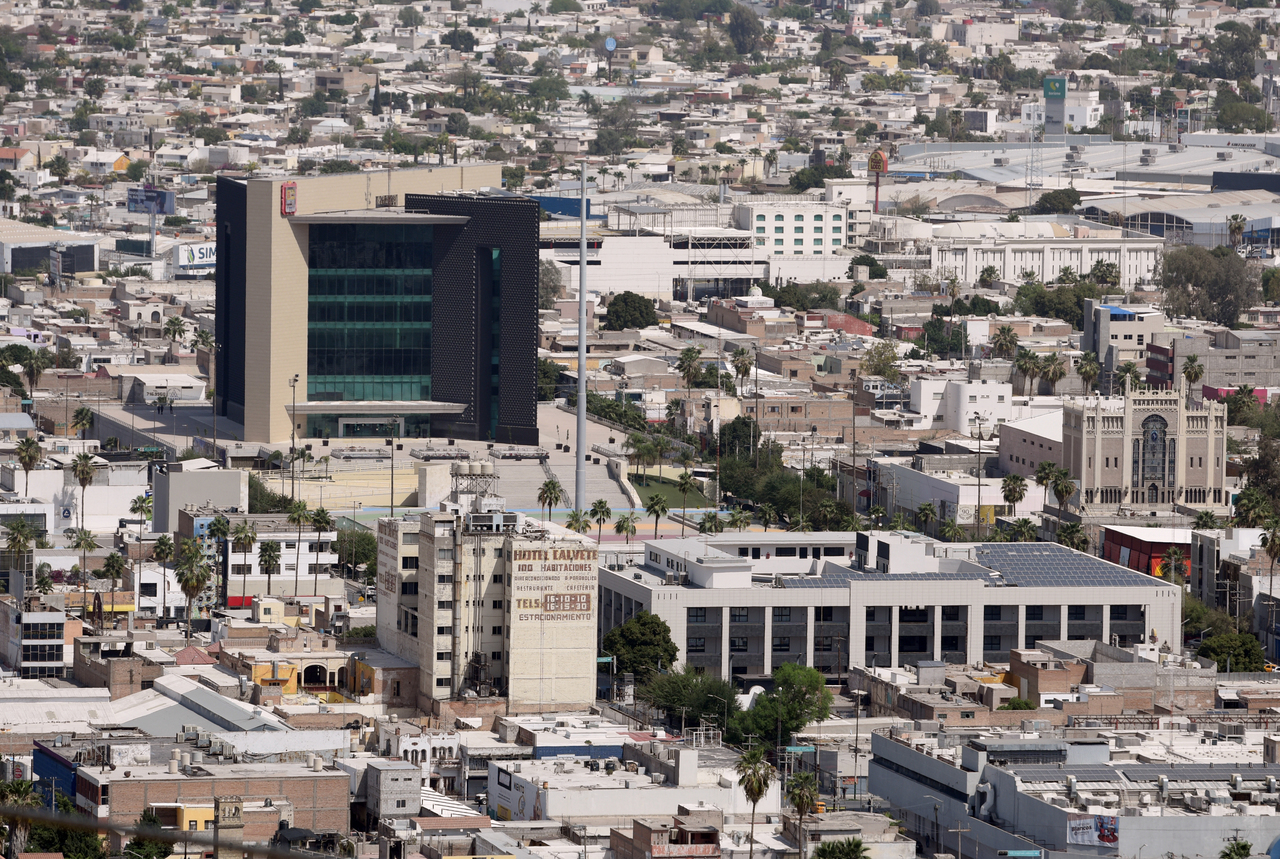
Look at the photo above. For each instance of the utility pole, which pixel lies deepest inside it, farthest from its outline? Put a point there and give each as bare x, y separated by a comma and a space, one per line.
959, 831
580, 467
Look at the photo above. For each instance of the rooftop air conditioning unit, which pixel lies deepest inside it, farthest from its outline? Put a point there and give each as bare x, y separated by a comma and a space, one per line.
1072, 157
1225, 156
1147, 160
1002, 162
1151, 150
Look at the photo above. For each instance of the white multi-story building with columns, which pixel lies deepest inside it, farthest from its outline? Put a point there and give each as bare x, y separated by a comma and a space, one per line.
744, 603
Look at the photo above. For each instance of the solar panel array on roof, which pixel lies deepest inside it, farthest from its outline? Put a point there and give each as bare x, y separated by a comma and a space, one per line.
1051, 565
1148, 772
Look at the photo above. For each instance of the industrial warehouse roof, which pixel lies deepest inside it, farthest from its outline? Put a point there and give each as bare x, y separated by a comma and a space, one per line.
20, 233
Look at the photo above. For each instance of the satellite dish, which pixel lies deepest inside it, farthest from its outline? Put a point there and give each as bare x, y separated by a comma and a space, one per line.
610, 44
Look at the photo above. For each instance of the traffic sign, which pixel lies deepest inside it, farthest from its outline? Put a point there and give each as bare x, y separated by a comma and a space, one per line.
610, 44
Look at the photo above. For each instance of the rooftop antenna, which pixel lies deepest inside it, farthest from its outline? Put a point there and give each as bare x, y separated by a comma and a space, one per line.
580, 470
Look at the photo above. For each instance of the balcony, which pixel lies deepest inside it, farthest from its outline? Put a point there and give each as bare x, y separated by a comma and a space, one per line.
703, 660
954, 657
747, 630
794, 630
1131, 628
877, 657
906, 629
1000, 627
879, 629
955, 627
1045, 629
831, 629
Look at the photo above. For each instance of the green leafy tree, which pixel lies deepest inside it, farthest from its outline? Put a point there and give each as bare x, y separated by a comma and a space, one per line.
137, 170
629, 310
881, 360
1016, 703
745, 31
641, 645
193, 577
1060, 202
18, 795
699, 696
625, 526
1233, 650
143, 845
1216, 285
799, 697
550, 285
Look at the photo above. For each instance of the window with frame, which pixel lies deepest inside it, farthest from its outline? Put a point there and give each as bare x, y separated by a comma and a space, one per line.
782, 614
697, 615
696, 645
1119, 612
779, 218
1075, 612
1035, 612
737, 645
759, 217
739, 615
991, 612
782, 644
990, 642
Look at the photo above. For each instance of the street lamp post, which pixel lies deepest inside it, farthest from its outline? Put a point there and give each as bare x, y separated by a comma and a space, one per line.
978, 419
293, 436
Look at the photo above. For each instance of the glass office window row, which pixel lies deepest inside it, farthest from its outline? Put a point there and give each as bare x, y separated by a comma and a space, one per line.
370, 246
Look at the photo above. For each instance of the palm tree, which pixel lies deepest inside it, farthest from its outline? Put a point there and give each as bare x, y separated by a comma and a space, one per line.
1235, 228
739, 519
625, 525
1026, 363
20, 534
600, 513
1014, 489
802, 793
81, 420
1045, 472
578, 522
926, 515
218, 531
689, 366
1192, 371
1174, 562
193, 577
1089, 370
1071, 535
29, 453
321, 521
1004, 343
1236, 850
710, 523
163, 552
1024, 531
845, 848
15, 796
684, 485
175, 328
742, 362
1063, 487
852, 522
83, 470
113, 568
1129, 376
550, 494
951, 531
876, 513
38, 360
268, 559
300, 517
84, 543
244, 535
140, 507
754, 777
657, 508
44, 583
1205, 520
1053, 370
767, 514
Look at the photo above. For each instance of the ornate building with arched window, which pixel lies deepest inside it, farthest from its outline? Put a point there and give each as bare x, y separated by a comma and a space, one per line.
1146, 452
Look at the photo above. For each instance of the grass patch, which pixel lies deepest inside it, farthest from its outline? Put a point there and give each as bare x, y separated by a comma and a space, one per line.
667, 489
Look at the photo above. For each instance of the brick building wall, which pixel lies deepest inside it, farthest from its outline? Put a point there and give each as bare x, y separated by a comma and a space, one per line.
122, 676
320, 800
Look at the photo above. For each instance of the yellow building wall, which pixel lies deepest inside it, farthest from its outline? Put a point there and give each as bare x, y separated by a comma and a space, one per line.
288, 672
888, 62
201, 814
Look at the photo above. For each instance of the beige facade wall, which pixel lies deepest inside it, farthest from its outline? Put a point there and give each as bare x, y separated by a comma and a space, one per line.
1098, 446
276, 271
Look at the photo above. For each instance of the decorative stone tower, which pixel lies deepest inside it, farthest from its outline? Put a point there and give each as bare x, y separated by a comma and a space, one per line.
228, 827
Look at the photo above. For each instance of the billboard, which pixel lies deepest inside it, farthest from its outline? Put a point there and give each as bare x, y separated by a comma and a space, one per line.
197, 255
1055, 87
1095, 830
148, 201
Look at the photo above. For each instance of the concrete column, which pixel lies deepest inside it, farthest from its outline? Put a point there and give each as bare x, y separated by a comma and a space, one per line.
893, 636
768, 640
856, 647
937, 632
1106, 623
972, 634
1062, 621
1021, 612
809, 627
724, 642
